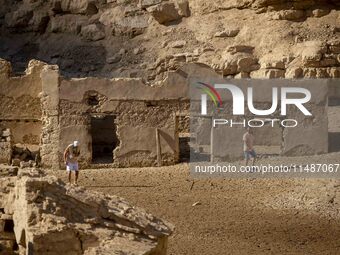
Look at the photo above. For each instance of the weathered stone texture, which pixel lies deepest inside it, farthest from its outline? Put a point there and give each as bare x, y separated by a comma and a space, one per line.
50, 217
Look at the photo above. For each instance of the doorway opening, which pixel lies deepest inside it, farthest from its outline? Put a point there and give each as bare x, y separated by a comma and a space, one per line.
104, 138
183, 129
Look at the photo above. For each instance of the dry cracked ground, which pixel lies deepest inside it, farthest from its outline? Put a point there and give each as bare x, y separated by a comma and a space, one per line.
234, 216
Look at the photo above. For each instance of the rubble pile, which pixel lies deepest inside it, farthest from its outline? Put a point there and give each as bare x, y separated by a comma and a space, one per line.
24, 157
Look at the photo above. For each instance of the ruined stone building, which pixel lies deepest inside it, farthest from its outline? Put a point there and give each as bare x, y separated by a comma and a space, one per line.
124, 122
119, 121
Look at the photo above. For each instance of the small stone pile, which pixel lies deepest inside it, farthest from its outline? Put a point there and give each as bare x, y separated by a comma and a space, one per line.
24, 157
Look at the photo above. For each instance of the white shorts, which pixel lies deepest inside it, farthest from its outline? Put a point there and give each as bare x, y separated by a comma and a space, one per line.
72, 167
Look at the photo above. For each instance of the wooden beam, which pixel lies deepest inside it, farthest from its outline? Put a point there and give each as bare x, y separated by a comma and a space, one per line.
158, 147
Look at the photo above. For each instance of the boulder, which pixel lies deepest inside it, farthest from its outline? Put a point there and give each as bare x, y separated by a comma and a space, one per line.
227, 33
311, 52
183, 8
240, 48
178, 44
93, 32
78, 6
46, 212
68, 23
164, 12
238, 62
130, 25
271, 61
320, 12
293, 15
268, 74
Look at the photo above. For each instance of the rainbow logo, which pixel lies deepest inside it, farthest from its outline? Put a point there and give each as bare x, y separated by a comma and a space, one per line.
212, 92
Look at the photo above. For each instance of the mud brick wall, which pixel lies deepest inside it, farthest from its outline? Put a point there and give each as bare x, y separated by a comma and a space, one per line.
138, 110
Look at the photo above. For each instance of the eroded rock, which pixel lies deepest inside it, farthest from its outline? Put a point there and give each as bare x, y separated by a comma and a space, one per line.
164, 12
46, 212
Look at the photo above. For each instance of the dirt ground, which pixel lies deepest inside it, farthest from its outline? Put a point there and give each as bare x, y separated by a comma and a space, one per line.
234, 216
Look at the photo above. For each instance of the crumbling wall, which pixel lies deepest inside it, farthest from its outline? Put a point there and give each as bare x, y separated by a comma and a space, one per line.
20, 107
50, 116
138, 109
51, 218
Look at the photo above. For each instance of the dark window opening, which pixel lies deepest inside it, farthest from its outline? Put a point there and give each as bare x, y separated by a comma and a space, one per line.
92, 100
9, 226
184, 147
183, 129
104, 139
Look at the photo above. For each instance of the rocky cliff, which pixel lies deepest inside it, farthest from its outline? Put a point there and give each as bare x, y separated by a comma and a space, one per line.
147, 38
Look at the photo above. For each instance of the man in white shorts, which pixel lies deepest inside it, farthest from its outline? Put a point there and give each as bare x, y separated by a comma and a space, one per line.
71, 155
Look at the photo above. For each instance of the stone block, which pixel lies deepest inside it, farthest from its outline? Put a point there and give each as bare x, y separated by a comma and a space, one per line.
164, 12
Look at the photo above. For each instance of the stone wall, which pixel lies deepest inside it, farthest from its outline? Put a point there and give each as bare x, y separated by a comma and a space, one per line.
138, 109
20, 104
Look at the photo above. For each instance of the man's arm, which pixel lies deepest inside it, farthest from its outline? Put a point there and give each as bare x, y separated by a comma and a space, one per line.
247, 141
66, 152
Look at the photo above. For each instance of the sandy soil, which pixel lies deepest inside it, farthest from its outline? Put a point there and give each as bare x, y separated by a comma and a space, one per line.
234, 216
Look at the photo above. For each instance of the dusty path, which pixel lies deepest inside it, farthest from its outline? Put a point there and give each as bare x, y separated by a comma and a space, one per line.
234, 216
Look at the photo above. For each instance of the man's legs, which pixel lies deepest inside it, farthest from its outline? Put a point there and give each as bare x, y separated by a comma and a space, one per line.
69, 175
76, 173
253, 157
246, 158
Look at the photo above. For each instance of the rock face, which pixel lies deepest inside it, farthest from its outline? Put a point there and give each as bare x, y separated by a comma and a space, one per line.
86, 37
42, 215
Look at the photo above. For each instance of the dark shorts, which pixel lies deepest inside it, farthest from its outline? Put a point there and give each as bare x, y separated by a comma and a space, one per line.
249, 154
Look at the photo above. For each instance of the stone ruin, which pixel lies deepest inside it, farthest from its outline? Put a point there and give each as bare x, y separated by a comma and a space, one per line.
41, 215
119, 122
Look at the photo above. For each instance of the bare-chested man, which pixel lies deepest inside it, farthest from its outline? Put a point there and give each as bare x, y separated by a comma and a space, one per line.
71, 155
